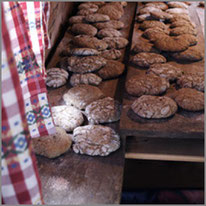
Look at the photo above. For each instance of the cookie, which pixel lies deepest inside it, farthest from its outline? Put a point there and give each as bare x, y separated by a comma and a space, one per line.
86, 29
152, 24
111, 70
95, 140
112, 11
154, 33
88, 78
178, 17
56, 77
86, 41
161, 15
104, 110
110, 24
154, 107
183, 30
52, 146
182, 22
86, 64
108, 32
76, 19
150, 84
144, 59
177, 4
67, 117
86, 12
116, 42
148, 10
195, 81
82, 95
159, 5
87, 5
143, 46
144, 17
94, 18
166, 71
99, 3
83, 52
111, 54
189, 99
177, 11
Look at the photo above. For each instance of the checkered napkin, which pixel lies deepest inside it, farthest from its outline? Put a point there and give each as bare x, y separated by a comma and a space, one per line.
25, 109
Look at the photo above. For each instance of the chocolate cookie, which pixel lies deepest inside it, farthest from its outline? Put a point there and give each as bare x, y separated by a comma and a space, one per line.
83, 52
150, 84
189, 99
87, 64
86, 29
110, 24
111, 70
94, 18
108, 32
111, 54
153, 107
166, 71
103, 111
116, 42
82, 95
145, 59
86, 41
152, 24
143, 46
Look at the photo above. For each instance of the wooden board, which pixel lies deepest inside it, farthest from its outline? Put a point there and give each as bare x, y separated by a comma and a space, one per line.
183, 124
81, 179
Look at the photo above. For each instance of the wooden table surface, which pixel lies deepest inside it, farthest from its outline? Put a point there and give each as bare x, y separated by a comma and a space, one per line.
183, 124
81, 179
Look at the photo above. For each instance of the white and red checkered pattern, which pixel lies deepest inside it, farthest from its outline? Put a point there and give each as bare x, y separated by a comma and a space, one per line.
24, 101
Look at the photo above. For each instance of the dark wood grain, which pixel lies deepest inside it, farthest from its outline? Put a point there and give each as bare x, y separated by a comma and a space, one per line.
183, 124
81, 179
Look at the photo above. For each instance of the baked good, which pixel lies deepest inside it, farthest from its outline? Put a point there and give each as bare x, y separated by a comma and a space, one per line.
154, 33
143, 46
111, 54
144, 59
195, 81
180, 16
192, 54
94, 18
166, 71
67, 117
76, 19
159, 5
117, 5
152, 24
83, 52
85, 12
148, 10
88, 78
111, 70
112, 11
103, 111
116, 42
187, 29
154, 107
110, 24
95, 140
150, 84
99, 3
177, 11
56, 77
82, 95
86, 29
87, 5
86, 41
52, 146
161, 15
108, 32
177, 4
144, 17
182, 22
189, 99
86, 64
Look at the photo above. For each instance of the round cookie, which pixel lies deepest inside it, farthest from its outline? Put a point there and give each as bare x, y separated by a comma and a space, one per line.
148, 10
144, 59
54, 145
67, 117
165, 70
116, 42
189, 99
86, 12
161, 15
110, 24
111, 70
177, 11
88, 78
177, 4
82, 28
83, 52
181, 22
76, 19
87, 5
195, 81
103, 111
143, 46
150, 84
94, 18
154, 107
82, 95
159, 5
95, 140
151, 24
187, 29
108, 32
111, 54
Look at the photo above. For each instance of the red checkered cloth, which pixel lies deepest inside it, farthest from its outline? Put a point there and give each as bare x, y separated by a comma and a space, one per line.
25, 109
